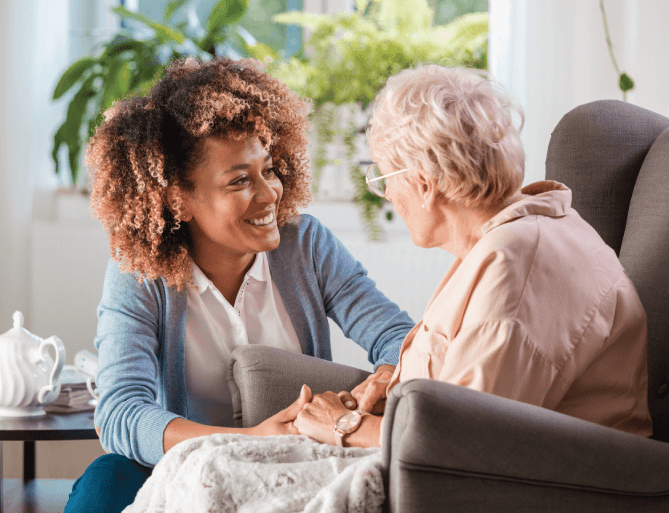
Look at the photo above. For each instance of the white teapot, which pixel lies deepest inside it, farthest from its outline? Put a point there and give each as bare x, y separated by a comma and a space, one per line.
29, 378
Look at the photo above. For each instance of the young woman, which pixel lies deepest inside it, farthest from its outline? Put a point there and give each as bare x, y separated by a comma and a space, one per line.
198, 185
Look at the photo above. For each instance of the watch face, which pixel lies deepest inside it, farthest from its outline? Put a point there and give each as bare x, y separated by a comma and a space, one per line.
348, 422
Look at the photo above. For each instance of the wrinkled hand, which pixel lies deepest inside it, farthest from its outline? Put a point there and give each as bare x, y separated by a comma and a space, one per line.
282, 422
317, 418
370, 395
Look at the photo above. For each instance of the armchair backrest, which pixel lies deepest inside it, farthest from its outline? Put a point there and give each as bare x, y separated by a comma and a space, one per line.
615, 158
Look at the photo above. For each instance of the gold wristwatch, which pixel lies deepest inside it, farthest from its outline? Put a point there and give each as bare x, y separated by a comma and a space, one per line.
346, 424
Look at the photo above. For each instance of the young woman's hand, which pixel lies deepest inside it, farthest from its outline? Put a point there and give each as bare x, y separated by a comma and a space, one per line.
370, 395
282, 422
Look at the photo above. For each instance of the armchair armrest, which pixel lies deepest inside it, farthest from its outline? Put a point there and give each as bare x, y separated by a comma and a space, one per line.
264, 380
445, 445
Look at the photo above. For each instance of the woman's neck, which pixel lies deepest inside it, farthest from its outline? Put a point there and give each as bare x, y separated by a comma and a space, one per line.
226, 271
463, 230
462, 226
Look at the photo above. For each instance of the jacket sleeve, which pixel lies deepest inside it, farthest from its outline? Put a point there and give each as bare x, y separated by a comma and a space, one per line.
352, 300
129, 329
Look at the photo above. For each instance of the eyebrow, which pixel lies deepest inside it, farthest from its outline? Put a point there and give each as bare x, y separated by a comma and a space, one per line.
244, 166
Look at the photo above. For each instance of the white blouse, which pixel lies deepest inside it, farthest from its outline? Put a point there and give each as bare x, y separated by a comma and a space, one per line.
214, 328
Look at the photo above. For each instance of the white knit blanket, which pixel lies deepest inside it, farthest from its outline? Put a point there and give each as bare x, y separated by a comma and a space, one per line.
226, 473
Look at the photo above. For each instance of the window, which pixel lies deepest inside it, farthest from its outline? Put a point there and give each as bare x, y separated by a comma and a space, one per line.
446, 11
258, 19
288, 39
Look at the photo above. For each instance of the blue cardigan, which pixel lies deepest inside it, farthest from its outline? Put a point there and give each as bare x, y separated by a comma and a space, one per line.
142, 328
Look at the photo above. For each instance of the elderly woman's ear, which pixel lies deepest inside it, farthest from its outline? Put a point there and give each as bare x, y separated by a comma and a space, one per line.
177, 205
428, 189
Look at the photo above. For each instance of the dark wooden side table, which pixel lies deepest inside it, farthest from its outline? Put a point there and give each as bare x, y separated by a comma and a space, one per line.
54, 426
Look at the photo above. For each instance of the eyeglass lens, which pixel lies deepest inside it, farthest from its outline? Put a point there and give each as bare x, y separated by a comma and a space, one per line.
378, 186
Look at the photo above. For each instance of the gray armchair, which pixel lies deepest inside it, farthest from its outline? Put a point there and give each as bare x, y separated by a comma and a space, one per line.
447, 448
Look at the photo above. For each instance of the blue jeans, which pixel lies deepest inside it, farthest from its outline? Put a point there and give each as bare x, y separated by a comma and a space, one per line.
109, 485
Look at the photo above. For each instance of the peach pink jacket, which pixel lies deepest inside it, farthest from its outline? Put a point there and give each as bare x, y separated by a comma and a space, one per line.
540, 311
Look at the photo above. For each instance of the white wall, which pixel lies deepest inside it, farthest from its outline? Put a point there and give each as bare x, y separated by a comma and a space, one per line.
405, 273
553, 55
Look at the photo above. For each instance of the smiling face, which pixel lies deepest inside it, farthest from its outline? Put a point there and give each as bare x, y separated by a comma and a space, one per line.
232, 211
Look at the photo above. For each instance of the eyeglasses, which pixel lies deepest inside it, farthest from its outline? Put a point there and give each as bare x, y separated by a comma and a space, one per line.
377, 181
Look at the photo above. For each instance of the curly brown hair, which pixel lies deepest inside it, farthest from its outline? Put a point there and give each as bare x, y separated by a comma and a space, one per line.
149, 145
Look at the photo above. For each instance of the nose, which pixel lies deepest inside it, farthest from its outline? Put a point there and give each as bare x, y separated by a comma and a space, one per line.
266, 190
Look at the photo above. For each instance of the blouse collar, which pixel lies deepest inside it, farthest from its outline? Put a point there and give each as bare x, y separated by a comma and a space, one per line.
257, 272
546, 198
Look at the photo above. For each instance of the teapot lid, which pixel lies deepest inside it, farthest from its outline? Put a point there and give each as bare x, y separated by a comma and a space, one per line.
18, 320
18, 332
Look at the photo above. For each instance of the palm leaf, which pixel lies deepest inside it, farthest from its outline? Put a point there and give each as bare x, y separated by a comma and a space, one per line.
72, 75
116, 83
69, 133
173, 7
226, 12
162, 32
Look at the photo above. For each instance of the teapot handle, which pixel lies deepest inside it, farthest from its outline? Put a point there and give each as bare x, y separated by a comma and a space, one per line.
57, 366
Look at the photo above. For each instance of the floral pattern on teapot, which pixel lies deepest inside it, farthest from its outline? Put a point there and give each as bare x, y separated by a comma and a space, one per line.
29, 377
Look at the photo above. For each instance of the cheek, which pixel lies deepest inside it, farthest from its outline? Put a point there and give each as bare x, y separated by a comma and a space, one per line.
279, 190
398, 201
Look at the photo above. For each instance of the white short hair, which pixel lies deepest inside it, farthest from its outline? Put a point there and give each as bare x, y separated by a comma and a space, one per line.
454, 123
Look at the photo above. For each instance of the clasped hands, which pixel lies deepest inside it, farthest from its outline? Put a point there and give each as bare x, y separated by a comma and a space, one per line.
315, 415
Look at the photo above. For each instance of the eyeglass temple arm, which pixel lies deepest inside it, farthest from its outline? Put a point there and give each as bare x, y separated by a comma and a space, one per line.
385, 176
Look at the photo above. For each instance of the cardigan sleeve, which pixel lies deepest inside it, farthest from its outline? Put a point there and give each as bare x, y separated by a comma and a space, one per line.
128, 414
353, 301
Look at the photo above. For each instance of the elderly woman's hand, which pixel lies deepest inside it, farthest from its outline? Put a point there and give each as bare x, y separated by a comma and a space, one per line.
282, 422
317, 418
370, 395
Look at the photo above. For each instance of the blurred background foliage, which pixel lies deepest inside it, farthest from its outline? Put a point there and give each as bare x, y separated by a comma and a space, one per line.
135, 58
338, 60
348, 58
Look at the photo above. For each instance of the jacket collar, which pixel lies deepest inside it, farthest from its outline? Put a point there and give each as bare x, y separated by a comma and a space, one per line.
546, 198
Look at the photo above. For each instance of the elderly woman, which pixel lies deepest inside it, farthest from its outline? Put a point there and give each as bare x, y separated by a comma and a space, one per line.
198, 185
535, 307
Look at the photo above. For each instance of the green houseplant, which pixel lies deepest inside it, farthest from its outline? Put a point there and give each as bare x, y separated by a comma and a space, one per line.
347, 60
128, 66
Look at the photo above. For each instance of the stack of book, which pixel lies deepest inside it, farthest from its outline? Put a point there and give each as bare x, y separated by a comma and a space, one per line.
74, 395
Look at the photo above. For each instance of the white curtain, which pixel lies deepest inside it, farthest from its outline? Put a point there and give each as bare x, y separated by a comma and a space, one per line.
33, 35
553, 55
39, 39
